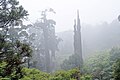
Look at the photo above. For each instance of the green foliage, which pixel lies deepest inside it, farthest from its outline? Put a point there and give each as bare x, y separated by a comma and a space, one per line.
101, 65
114, 54
35, 74
66, 75
5, 79
12, 53
71, 63
2, 66
11, 16
12, 56
117, 70
86, 77
10, 13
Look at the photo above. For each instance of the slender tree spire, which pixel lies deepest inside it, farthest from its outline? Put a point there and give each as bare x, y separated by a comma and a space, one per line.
74, 25
77, 39
78, 21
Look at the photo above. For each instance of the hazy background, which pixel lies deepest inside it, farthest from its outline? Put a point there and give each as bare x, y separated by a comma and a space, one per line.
91, 11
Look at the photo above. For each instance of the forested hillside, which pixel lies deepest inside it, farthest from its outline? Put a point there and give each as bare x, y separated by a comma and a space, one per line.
95, 38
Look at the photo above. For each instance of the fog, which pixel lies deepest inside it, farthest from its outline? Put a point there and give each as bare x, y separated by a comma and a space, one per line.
98, 21
59, 39
91, 11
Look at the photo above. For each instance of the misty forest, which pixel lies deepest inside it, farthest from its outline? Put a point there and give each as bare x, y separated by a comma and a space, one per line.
35, 51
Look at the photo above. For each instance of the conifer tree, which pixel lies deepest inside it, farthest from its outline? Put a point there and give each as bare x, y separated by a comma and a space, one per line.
12, 54
77, 40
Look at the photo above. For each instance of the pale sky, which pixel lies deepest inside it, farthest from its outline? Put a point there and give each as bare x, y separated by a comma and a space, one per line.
91, 11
